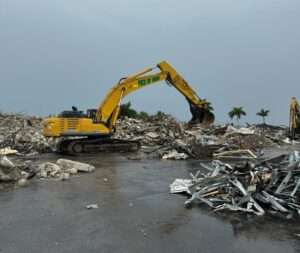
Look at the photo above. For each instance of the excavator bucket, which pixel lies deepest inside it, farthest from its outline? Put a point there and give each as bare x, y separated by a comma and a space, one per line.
201, 115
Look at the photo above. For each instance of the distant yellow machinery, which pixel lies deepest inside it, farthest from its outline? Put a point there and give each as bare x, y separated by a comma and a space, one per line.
294, 122
93, 129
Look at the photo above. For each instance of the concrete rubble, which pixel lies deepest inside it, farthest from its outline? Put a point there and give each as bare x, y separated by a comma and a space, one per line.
13, 174
8, 171
22, 133
62, 169
256, 187
19, 173
159, 137
173, 154
92, 206
169, 139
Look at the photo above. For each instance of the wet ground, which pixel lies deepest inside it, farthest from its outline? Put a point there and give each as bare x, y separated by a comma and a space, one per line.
136, 214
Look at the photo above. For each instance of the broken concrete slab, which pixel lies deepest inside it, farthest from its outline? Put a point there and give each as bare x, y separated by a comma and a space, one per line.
5, 162
62, 169
8, 171
175, 155
79, 166
48, 169
92, 206
8, 151
152, 135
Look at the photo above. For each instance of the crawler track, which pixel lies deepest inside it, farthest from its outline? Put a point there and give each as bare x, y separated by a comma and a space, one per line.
87, 145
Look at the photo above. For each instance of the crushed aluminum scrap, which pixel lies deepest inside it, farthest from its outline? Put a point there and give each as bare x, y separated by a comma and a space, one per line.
256, 187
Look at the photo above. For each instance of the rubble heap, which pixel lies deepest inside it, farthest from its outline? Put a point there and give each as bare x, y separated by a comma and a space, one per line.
62, 169
19, 173
251, 187
11, 173
169, 139
160, 136
23, 133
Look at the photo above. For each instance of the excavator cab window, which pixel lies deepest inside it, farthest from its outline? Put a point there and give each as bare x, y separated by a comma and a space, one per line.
72, 114
91, 114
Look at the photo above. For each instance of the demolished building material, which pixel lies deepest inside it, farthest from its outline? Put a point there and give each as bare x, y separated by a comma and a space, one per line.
63, 169
8, 151
18, 173
92, 206
161, 136
236, 154
252, 187
165, 137
8, 171
173, 154
22, 133
79, 166
158, 136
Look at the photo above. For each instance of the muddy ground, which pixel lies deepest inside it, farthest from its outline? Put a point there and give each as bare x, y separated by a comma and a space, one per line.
136, 214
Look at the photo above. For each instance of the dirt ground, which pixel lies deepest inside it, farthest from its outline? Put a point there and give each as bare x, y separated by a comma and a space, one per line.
136, 214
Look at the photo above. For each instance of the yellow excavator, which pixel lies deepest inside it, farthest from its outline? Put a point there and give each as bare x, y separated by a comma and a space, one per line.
92, 131
294, 123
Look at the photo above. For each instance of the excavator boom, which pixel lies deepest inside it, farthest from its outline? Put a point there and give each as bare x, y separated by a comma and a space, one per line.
200, 108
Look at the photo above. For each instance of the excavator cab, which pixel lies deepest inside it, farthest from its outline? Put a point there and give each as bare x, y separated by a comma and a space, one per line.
92, 114
74, 113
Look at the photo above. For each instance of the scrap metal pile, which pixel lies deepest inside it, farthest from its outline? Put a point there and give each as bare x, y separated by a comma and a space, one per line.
256, 188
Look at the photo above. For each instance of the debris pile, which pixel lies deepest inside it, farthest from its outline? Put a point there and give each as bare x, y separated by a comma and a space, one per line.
62, 169
169, 139
8, 171
255, 137
160, 136
11, 173
23, 133
250, 187
19, 172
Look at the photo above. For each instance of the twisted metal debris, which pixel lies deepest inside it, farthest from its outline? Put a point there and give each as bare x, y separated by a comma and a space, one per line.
252, 188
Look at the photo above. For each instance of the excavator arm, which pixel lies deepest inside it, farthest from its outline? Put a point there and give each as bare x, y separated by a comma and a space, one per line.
108, 110
200, 108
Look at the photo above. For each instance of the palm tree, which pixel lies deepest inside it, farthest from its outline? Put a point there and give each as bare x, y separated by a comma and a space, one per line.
237, 112
263, 113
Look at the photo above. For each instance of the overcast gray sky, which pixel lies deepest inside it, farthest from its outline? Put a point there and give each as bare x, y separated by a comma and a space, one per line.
59, 53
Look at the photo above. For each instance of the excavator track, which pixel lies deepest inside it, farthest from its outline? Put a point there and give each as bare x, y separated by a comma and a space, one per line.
86, 145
